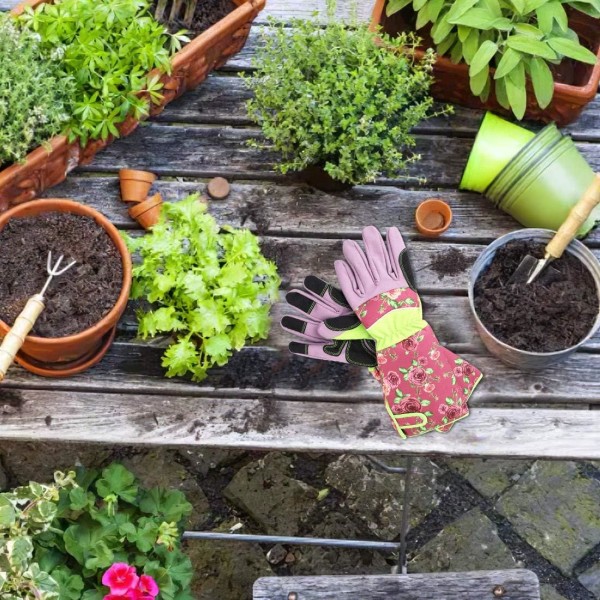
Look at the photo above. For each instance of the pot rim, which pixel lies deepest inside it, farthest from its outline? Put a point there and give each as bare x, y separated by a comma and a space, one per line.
137, 175
502, 241
429, 206
140, 208
70, 206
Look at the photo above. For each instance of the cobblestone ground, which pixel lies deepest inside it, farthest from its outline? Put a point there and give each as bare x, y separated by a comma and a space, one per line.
466, 515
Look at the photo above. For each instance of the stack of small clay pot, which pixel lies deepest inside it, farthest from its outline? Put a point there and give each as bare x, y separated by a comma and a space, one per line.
135, 186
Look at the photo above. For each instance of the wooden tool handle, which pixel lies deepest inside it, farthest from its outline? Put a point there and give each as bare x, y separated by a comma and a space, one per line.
16, 336
577, 217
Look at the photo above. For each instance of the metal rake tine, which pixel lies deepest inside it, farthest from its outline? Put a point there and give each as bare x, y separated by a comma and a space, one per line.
55, 269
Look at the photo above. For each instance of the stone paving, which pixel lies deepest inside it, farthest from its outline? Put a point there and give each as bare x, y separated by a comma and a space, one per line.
466, 514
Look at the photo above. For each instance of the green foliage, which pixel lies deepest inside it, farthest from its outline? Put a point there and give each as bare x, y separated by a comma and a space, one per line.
332, 96
108, 48
519, 38
108, 518
34, 100
25, 513
211, 288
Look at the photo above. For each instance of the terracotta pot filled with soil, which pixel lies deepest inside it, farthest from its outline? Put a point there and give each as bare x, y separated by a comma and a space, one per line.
84, 305
532, 326
576, 84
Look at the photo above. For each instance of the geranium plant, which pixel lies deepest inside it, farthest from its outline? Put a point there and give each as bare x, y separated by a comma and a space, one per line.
35, 96
124, 582
209, 287
26, 512
108, 518
505, 43
335, 97
108, 48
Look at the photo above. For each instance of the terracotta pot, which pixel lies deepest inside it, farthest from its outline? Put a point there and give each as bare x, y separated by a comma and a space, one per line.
81, 347
452, 81
43, 168
317, 177
135, 185
433, 217
147, 213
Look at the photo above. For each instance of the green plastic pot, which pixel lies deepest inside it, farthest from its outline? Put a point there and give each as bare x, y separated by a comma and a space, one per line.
497, 142
543, 182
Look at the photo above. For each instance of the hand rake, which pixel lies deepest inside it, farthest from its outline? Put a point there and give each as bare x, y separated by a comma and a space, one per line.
181, 10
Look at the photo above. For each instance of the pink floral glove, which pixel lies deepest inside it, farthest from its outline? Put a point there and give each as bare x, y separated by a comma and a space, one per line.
426, 387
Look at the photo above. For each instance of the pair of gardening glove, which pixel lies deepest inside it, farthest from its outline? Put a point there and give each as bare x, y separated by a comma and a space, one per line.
376, 321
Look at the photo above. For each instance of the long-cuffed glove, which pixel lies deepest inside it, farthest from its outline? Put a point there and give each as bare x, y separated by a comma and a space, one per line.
318, 302
425, 386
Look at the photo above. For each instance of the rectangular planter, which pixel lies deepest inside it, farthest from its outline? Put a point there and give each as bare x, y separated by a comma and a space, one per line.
49, 165
452, 80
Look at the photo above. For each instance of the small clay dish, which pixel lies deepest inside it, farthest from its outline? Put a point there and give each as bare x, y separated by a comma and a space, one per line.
147, 213
433, 217
135, 185
218, 188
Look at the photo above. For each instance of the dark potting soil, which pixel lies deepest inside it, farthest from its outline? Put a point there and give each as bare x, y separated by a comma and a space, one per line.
75, 300
452, 262
207, 13
550, 314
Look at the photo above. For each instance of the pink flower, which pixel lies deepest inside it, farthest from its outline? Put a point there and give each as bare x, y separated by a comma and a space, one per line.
443, 409
393, 379
409, 405
458, 370
470, 371
434, 354
395, 294
422, 360
453, 412
417, 376
429, 387
409, 344
381, 359
120, 578
148, 586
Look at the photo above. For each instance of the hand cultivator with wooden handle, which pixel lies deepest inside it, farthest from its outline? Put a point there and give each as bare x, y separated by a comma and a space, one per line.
29, 315
175, 11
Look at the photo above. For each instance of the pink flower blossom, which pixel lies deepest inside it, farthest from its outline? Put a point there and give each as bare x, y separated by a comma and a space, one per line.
393, 379
395, 294
429, 387
443, 409
453, 412
458, 370
148, 586
410, 405
120, 578
434, 354
470, 370
417, 376
409, 344
422, 360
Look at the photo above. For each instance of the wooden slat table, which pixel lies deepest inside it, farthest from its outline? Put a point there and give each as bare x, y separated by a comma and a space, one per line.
265, 398
517, 584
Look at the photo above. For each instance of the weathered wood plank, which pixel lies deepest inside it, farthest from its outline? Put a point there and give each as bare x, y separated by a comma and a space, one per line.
221, 100
201, 151
287, 10
298, 210
262, 372
479, 585
270, 424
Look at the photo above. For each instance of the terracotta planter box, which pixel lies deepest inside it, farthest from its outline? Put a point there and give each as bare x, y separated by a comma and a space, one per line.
578, 87
45, 167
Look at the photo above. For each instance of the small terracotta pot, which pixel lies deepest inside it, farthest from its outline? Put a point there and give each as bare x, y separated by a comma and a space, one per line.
135, 185
147, 213
80, 348
433, 217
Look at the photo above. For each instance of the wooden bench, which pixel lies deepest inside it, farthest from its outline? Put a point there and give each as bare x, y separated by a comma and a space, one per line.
478, 585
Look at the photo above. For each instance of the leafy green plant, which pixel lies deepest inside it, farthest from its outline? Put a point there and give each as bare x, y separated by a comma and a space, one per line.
108, 518
35, 99
520, 39
108, 48
26, 512
334, 97
210, 287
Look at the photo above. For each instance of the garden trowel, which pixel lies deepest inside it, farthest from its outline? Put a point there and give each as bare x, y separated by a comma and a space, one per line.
530, 268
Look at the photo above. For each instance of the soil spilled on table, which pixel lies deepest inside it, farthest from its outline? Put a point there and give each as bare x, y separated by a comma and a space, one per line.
206, 14
449, 263
550, 314
74, 301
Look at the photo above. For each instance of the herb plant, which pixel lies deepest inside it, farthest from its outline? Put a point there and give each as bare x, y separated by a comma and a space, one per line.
35, 98
25, 513
108, 48
210, 287
520, 39
108, 518
334, 97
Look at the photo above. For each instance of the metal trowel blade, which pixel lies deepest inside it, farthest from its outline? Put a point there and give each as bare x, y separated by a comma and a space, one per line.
528, 265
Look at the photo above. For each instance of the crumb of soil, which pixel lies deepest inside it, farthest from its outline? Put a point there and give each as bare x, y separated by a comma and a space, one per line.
75, 300
550, 314
451, 263
207, 13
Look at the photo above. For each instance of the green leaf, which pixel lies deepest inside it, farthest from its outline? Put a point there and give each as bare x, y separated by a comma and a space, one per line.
572, 49
519, 6
7, 512
481, 18
394, 6
169, 505
479, 81
116, 479
459, 8
542, 80
501, 95
516, 93
531, 46
482, 58
510, 59
471, 45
